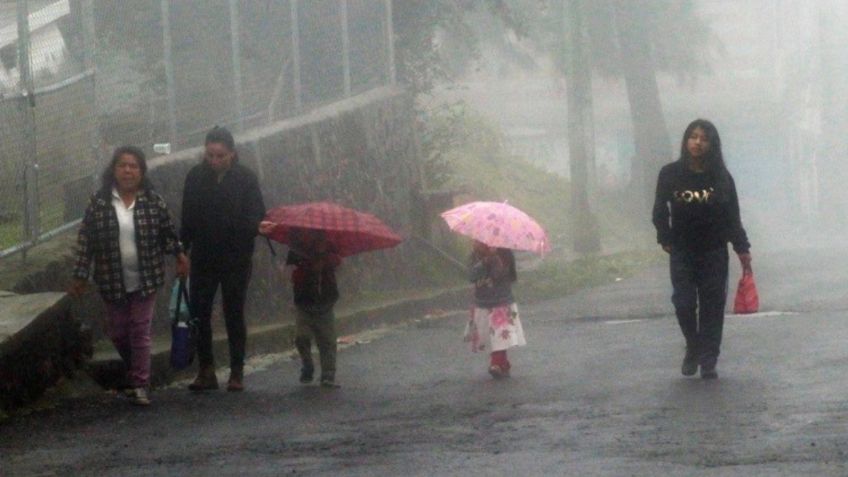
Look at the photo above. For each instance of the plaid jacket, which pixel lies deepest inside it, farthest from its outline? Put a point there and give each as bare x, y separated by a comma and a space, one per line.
98, 242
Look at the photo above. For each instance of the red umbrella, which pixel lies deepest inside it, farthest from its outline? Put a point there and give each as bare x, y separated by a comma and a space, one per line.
351, 231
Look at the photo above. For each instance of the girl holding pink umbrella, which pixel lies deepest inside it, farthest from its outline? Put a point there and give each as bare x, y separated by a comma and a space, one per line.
497, 229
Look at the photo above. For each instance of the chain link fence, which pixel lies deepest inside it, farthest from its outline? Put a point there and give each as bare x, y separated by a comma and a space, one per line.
85, 76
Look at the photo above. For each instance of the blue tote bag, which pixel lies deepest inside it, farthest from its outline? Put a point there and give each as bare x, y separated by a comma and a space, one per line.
183, 328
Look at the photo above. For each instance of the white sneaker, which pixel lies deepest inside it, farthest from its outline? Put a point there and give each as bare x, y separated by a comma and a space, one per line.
139, 397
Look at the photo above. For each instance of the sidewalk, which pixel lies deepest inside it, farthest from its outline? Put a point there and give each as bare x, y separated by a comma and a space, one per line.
106, 367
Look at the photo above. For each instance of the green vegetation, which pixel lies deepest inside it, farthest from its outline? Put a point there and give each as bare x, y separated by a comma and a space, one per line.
557, 277
466, 153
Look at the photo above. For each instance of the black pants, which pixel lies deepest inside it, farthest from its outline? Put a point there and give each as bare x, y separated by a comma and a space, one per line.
203, 286
700, 293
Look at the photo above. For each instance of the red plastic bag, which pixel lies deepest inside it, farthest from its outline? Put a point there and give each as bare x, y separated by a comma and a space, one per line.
747, 298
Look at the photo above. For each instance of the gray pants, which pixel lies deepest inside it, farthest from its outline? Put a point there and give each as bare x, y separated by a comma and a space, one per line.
320, 324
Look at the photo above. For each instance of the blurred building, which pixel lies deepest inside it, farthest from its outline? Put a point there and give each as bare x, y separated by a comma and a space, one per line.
49, 51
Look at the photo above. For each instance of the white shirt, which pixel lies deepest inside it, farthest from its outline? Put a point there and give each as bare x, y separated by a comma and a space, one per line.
126, 241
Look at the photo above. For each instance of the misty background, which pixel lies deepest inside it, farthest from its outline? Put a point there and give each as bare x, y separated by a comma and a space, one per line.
597, 92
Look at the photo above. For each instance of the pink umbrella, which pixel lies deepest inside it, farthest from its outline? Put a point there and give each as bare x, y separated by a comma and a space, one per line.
498, 225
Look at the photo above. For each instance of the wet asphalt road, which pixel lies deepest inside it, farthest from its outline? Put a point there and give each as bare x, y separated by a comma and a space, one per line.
597, 391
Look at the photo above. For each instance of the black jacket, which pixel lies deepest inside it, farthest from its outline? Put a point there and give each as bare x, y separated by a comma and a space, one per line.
697, 211
493, 276
220, 220
315, 288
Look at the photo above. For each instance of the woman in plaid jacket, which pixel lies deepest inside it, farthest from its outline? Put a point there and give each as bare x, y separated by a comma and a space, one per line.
125, 234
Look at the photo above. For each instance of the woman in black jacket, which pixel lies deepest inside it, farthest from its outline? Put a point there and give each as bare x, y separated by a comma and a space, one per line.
696, 213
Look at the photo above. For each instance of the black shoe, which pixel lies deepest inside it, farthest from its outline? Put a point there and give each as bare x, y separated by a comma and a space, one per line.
307, 373
709, 372
690, 363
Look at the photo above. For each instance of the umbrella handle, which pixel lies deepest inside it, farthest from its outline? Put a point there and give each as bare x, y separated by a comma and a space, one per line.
271, 247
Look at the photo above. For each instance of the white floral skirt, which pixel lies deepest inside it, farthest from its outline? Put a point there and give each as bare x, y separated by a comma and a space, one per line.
494, 329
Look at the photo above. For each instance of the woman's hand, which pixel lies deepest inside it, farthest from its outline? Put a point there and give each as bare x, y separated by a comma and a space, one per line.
183, 265
266, 227
78, 287
745, 260
667, 249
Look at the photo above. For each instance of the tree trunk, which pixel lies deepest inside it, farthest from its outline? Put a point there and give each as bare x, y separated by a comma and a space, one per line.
579, 98
650, 134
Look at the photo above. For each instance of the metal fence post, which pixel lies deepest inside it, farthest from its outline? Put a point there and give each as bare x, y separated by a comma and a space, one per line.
169, 72
345, 46
390, 43
31, 209
89, 60
236, 47
295, 31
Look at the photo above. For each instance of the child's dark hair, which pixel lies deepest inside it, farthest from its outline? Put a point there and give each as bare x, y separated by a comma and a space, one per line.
509, 258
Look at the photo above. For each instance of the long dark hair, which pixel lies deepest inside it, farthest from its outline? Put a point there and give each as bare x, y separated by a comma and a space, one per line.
108, 176
713, 159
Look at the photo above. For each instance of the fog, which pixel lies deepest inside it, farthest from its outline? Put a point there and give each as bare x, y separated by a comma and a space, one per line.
770, 74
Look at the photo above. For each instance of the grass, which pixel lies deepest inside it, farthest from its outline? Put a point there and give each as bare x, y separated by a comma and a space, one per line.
557, 277
476, 162
479, 165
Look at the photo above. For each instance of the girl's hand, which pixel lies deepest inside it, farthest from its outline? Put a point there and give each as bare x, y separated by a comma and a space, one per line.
667, 249
182, 266
745, 260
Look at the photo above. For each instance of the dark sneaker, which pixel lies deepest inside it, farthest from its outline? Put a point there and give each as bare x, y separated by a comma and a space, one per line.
307, 373
709, 372
329, 382
690, 363
236, 381
205, 380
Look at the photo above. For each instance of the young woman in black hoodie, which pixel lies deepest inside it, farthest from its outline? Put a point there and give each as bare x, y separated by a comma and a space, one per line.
696, 213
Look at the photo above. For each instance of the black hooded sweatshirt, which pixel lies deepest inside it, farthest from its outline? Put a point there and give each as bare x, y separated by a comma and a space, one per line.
697, 211
221, 219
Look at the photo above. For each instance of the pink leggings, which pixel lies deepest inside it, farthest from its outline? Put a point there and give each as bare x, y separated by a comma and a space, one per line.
129, 329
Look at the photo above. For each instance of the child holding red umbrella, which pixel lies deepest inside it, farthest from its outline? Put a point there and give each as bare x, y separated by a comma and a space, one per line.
315, 293
494, 325
319, 234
